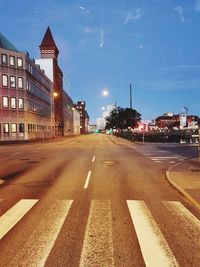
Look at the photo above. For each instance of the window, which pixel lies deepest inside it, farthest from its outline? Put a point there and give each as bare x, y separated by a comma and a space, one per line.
21, 127
12, 81
20, 82
19, 62
5, 80
5, 101
6, 128
4, 59
12, 61
13, 102
13, 127
21, 103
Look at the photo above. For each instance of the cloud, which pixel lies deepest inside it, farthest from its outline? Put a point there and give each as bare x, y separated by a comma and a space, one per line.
197, 6
101, 38
141, 46
179, 9
133, 15
84, 9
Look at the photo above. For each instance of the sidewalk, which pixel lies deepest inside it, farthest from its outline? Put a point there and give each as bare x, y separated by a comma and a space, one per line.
185, 176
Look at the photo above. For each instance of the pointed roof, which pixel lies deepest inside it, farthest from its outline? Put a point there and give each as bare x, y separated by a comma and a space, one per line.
48, 40
6, 44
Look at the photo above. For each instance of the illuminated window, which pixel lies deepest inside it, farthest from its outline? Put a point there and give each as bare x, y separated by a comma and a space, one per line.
13, 127
20, 82
4, 59
13, 102
6, 128
21, 103
12, 81
12, 61
5, 101
19, 62
5, 80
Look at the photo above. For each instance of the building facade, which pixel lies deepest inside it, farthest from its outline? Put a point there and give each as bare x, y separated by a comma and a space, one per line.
62, 102
84, 117
25, 96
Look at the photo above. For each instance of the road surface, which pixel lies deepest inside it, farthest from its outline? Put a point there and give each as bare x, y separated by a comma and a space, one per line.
94, 200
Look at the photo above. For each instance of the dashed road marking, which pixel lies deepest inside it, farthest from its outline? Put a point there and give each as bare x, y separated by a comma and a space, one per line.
87, 180
93, 159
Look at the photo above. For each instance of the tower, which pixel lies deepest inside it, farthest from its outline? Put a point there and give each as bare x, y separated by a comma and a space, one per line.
48, 48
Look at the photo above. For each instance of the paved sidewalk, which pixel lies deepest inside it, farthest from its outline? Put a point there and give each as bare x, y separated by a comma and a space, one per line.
185, 176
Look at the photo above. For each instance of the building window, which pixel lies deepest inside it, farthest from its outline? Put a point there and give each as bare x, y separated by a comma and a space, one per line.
21, 127
13, 102
20, 82
6, 128
12, 61
4, 59
5, 101
13, 127
19, 62
5, 80
21, 103
12, 81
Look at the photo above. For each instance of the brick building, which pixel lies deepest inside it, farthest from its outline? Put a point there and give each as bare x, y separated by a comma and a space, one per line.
84, 117
25, 96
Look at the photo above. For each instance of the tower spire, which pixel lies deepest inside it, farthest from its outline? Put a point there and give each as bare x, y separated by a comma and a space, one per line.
48, 48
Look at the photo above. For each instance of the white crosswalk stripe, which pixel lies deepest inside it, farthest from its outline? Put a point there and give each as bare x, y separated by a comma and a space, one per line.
158, 156
14, 215
100, 248
36, 250
150, 237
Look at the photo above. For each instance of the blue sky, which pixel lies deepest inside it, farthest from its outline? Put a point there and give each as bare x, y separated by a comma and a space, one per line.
153, 44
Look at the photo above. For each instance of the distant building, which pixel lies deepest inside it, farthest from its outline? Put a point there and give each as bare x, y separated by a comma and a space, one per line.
84, 117
63, 104
180, 121
25, 96
100, 122
76, 121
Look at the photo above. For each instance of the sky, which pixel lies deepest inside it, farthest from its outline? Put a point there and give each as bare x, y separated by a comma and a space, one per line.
152, 44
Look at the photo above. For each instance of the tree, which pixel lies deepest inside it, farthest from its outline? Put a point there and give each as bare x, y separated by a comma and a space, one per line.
122, 118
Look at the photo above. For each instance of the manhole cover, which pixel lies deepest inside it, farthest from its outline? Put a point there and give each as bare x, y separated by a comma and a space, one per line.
111, 162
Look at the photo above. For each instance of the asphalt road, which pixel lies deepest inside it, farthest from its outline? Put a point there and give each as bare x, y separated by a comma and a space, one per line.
94, 200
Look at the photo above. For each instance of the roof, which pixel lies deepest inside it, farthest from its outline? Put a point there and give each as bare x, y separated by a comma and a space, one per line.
48, 40
6, 44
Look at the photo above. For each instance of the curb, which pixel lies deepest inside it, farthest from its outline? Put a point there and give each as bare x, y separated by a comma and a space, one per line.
180, 189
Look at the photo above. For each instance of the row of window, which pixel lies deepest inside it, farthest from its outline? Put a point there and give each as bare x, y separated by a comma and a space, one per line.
36, 73
36, 91
11, 60
13, 127
12, 81
13, 103
41, 110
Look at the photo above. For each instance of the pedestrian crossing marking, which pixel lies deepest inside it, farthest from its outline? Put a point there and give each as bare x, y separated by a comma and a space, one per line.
14, 215
98, 250
154, 247
38, 247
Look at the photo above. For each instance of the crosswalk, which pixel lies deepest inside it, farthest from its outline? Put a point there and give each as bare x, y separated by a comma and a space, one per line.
157, 155
98, 244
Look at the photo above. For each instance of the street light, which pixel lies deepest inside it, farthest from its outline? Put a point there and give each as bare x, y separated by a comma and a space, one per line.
105, 92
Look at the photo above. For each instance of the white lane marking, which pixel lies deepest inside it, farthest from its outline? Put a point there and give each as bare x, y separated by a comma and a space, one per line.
1, 181
98, 241
38, 247
14, 215
157, 161
188, 218
93, 159
154, 247
87, 180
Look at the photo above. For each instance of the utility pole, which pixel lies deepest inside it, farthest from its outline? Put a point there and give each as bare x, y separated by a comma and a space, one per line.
131, 107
